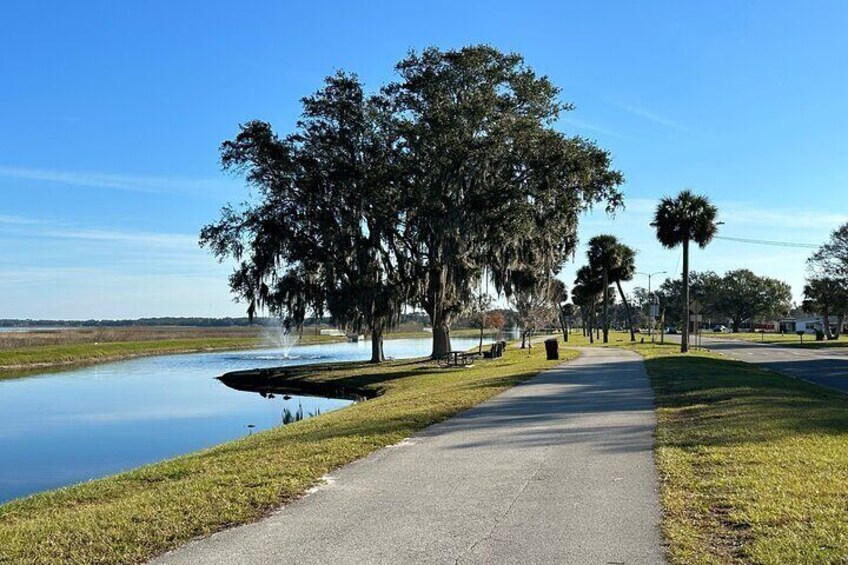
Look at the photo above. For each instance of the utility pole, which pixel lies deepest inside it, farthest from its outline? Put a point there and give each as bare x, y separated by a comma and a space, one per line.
649, 275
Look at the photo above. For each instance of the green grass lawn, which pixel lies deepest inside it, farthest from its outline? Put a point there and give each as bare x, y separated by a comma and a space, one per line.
133, 516
786, 339
753, 465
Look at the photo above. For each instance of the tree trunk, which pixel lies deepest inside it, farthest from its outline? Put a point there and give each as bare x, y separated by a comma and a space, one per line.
606, 307
562, 325
441, 340
840, 320
377, 355
626, 309
592, 324
684, 338
826, 322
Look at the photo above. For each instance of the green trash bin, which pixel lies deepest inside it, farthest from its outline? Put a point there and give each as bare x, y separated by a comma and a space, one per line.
552, 348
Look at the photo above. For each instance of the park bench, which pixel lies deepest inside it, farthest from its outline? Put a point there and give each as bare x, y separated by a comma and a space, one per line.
495, 351
466, 359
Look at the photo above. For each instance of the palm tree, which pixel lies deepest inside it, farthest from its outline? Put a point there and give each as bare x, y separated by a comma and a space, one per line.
624, 270
616, 262
687, 217
588, 286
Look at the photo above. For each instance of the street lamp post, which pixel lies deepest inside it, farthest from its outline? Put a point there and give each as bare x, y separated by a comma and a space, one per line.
649, 275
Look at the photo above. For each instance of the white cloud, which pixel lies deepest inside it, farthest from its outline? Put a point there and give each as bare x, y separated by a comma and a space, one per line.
135, 183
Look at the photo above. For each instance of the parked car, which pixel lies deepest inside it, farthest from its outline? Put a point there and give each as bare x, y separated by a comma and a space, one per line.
721, 329
671, 330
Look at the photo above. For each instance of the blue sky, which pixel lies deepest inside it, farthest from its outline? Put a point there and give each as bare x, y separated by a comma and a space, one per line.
111, 114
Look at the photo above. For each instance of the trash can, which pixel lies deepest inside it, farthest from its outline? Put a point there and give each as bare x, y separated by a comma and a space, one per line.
552, 348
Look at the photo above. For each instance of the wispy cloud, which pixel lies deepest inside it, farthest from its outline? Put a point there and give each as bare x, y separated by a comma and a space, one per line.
30, 227
652, 116
589, 126
139, 238
135, 183
16, 220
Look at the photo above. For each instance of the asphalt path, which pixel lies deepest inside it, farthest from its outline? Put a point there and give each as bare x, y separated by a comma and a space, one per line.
558, 469
826, 366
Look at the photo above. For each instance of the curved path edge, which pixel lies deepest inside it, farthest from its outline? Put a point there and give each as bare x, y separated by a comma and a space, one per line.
558, 469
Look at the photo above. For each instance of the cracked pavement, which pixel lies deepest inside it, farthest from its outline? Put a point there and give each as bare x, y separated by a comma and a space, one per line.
559, 469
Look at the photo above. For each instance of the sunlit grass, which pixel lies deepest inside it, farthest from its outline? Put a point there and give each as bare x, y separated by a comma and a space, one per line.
130, 517
790, 339
753, 465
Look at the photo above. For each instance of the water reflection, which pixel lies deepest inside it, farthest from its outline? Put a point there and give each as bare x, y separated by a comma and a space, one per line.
65, 427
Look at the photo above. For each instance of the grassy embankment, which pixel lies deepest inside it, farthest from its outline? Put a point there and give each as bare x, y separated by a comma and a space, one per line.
130, 517
753, 464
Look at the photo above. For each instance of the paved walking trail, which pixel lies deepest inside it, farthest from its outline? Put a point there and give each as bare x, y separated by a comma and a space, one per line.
556, 470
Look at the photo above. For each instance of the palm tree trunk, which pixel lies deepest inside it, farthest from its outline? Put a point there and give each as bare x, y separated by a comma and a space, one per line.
684, 338
606, 308
562, 325
592, 323
626, 309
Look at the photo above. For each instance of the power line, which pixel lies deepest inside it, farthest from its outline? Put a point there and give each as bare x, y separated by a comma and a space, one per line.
769, 242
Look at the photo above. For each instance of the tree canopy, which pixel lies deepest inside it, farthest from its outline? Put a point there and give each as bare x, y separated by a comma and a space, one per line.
407, 196
828, 297
831, 259
616, 262
742, 295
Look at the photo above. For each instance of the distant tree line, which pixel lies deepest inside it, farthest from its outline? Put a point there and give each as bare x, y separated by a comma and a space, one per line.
736, 297
449, 177
826, 289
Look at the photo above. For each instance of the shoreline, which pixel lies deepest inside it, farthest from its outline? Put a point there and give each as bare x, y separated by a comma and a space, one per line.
53, 358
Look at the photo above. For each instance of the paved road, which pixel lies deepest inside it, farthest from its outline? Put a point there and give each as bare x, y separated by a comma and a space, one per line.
826, 366
556, 470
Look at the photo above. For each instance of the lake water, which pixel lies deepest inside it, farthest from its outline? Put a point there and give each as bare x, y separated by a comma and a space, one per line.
62, 428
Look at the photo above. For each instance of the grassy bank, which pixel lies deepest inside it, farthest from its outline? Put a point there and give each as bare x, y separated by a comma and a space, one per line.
133, 516
78, 353
753, 465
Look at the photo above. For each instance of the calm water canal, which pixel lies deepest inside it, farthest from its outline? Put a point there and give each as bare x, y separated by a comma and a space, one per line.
62, 428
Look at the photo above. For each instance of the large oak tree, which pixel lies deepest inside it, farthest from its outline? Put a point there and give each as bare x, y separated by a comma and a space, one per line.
409, 195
